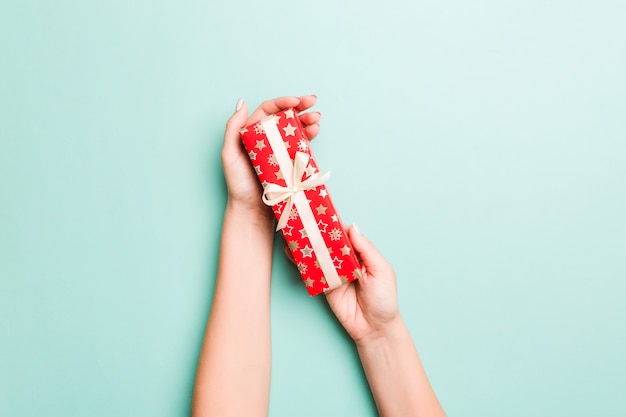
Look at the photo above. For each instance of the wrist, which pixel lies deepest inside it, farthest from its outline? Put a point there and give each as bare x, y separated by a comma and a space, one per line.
387, 333
261, 216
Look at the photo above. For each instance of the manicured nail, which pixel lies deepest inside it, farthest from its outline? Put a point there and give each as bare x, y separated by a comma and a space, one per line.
356, 228
239, 105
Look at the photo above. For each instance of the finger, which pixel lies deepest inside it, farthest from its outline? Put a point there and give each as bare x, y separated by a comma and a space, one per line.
312, 130
371, 258
236, 122
306, 102
310, 118
274, 106
289, 254
337, 293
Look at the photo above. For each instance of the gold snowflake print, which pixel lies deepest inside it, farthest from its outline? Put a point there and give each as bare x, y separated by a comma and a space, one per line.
294, 213
335, 234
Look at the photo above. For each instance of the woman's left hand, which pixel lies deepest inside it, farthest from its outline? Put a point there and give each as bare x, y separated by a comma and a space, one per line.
243, 185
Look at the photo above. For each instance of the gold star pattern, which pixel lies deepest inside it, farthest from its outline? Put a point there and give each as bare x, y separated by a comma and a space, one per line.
257, 168
244, 130
289, 114
258, 128
279, 175
252, 155
317, 264
287, 144
323, 193
337, 262
293, 245
306, 251
301, 267
309, 282
356, 274
260, 144
321, 209
343, 279
287, 230
272, 160
289, 130
302, 146
303, 233
345, 250
276, 118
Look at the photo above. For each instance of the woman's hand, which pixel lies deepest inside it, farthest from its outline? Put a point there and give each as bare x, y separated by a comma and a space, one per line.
243, 186
367, 308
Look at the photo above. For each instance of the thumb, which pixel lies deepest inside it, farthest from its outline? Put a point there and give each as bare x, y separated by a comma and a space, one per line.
236, 122
373, 261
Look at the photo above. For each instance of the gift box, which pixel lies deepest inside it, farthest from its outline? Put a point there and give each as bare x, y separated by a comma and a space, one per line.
295, 189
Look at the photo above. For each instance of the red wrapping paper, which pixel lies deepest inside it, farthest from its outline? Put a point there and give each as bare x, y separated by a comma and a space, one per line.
322, 251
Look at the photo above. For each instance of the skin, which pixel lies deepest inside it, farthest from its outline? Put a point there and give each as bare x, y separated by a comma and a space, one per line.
235, 360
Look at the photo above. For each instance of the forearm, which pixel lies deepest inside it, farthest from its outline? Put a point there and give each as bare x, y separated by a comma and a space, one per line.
233, 373
396, 376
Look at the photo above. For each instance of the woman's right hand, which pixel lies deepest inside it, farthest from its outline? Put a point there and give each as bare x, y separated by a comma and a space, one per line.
368, 307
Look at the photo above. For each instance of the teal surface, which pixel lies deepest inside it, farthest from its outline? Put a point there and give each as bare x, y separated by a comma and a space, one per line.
480, 145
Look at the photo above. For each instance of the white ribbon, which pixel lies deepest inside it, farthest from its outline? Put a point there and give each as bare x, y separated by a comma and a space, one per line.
274, 193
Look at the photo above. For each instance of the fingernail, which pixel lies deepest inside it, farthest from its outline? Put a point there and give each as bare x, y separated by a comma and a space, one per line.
239, 105
356, 228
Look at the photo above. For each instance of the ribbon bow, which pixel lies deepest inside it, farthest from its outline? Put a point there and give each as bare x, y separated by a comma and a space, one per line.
274, 193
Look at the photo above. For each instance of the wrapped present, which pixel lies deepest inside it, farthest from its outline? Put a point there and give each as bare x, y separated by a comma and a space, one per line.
295, 189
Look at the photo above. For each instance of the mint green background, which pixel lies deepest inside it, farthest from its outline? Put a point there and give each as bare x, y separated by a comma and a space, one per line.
480, 145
